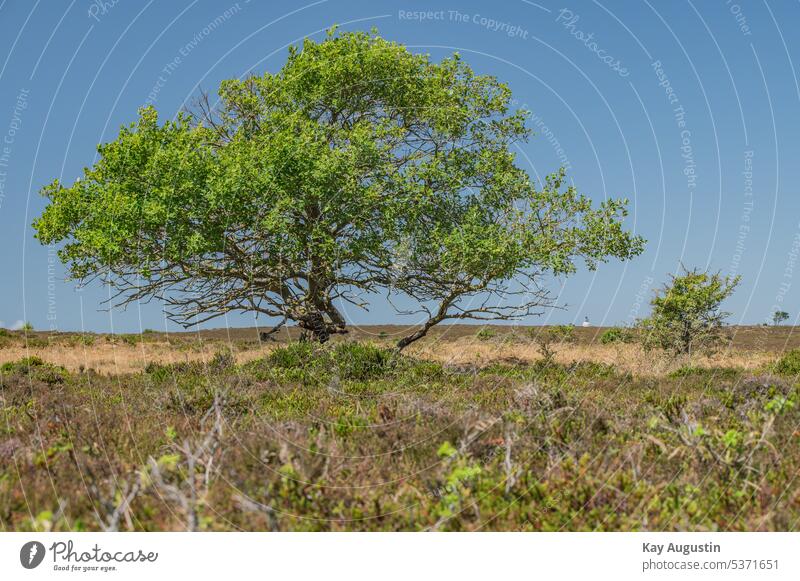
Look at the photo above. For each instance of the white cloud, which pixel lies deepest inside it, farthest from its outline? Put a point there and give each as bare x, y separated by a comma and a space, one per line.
17, 325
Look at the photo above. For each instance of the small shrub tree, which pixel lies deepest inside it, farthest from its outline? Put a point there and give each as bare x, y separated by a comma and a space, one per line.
686, 315
779, 317
546, 338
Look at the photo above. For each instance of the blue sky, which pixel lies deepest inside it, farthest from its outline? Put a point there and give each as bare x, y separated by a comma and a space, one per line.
690, 109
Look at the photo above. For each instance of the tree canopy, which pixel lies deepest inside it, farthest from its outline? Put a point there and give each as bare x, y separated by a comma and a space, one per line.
779, 317
358, 168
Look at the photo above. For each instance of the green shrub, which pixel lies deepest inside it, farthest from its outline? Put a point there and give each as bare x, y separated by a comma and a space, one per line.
23, 365
359, 361
789, 364
687, 315
35, 368
563, 333
222, 360
295, 356
355, 361
484, 334
616, 335
347, 424
161, 372
158, 372
131, 340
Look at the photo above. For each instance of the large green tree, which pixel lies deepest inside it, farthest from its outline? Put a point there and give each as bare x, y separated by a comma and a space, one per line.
358, 168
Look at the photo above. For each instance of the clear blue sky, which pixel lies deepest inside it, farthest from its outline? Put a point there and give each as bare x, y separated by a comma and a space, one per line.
667, 103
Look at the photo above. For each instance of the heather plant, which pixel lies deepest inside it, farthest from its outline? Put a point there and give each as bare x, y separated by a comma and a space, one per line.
351, 436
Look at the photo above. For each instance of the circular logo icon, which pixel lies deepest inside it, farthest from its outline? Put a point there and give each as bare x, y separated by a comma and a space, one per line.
31, 554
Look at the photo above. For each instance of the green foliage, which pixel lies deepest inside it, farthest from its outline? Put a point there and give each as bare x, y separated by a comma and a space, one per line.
27, 327
686, 316
35, 368
485, 333
358, 167
453, 494
564, 333
23, 365
616, 335
779, 317
348, 360
294, 356
360, 362
779, 405
446, 450
789, 363
222, 360
159, 373
348, 424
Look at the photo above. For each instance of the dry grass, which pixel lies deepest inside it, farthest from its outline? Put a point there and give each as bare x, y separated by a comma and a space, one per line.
627, 358
119, 357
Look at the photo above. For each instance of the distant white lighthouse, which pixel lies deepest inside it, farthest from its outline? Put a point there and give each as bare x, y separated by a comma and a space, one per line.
585, 322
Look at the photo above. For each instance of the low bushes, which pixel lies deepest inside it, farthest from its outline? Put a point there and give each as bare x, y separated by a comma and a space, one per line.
349, 436
485, 333
35, 368
789, 364
360, 362
617, 335
351, 361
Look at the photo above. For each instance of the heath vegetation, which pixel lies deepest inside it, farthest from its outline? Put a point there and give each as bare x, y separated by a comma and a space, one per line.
356, 436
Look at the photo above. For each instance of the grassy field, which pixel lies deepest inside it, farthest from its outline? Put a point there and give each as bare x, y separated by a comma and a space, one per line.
469, 430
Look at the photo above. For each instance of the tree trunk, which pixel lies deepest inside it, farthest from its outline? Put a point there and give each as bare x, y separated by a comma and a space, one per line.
314, 327
441, 315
